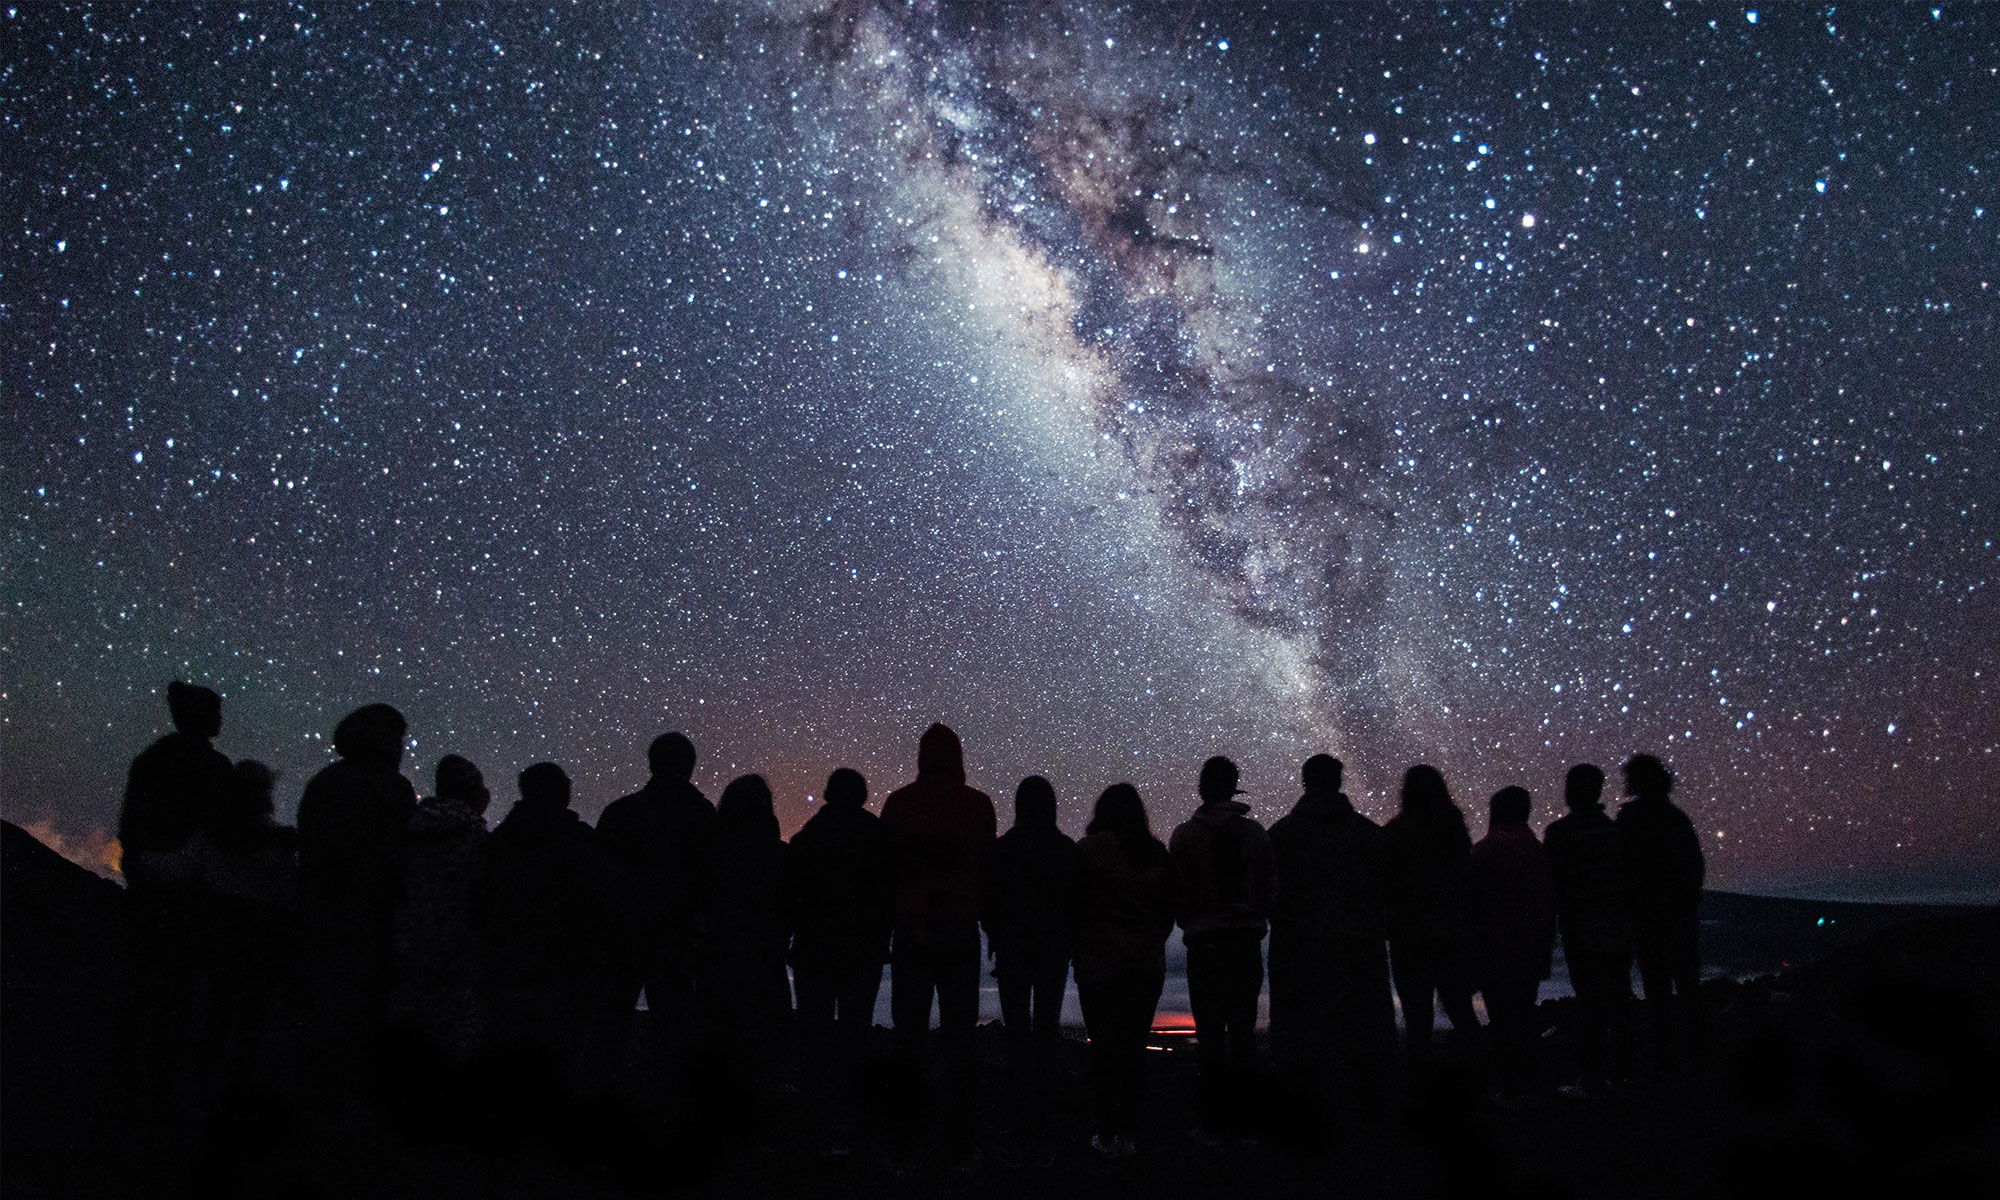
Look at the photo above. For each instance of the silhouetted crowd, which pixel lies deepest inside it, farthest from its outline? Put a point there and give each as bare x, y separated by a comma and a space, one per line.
669, 971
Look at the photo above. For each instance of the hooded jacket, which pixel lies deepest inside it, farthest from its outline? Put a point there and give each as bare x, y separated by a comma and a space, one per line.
1228, 877
942, 831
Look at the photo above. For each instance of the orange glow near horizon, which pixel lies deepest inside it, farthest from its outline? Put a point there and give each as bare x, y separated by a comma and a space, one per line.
95, 850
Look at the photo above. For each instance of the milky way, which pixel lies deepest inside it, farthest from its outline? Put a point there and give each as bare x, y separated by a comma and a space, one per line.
1499, 388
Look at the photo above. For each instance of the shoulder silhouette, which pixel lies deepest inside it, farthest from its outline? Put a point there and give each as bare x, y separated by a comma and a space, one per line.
176, 788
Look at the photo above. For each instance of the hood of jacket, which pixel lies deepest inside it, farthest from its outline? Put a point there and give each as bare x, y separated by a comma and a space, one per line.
438, 816
1327, 806
940, 755
1222, 812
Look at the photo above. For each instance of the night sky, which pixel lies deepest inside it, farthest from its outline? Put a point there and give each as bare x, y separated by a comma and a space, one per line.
1495, 388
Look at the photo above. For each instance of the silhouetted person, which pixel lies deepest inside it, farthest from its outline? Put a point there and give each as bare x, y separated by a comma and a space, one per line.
1228, 884
1428, 850
664, 836
1587, 873
749, 998
1030, 886
546, 908
1513, 932
173, 791
943, 831
172, 794
352, 823
1330, 1005
437, 990
1663, 876
252, 882
843, 907
1127, 896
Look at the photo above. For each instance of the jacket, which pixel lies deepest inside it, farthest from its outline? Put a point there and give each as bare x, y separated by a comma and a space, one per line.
1125, 908
1662, 861
843, 890
1588, 878
1228, 878
1330, 892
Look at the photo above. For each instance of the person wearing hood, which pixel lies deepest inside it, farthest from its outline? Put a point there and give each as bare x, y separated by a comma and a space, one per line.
353, 818
1513, 931
1589, 883
436, 992
663, 836
1330, 1005
1030, 886
1426, 852
1228, 885
942, 830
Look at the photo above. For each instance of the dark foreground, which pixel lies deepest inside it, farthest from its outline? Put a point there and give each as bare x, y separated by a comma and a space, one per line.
1871, 1071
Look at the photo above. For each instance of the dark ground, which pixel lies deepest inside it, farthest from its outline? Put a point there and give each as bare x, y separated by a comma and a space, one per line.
1869, 1071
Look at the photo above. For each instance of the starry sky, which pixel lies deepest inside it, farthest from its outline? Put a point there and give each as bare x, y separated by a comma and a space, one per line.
1494, 387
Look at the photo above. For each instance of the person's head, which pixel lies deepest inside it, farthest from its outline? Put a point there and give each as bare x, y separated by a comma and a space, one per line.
671, 757
255, 782
1035, 804
196, 710
1583, 787
1425, 795
846, 788
1647, 777
373, 734
1120, 812
1321, 775
940, 754
745, 808
458, 779
1510, 806
1218, 780
545, 783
